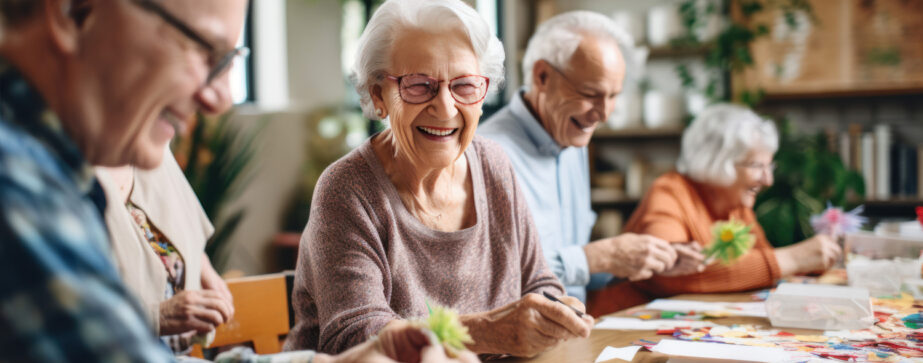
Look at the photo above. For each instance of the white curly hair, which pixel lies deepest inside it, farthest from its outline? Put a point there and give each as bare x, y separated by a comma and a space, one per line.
718, 138
374, 52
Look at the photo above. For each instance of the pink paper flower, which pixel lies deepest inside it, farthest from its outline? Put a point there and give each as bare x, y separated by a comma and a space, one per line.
835, 222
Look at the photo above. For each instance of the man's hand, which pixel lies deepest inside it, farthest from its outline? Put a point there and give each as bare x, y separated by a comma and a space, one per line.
632, 256
689, 261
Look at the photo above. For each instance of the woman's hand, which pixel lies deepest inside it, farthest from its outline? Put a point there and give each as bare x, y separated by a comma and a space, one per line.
689, 260
212, 281
199, 310
527, 327
813, 254
399, 342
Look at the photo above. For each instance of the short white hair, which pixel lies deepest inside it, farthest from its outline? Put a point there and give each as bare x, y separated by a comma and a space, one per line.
556, 40
374, 53
721, 136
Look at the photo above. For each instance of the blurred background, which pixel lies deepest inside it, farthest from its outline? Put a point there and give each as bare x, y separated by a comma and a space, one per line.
843, 79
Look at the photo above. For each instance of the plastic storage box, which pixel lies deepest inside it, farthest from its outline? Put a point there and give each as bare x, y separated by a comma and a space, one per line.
824, 307
884, 264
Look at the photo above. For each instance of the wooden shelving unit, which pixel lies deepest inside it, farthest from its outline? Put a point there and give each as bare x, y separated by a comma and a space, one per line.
640, 134
602, 199
893, 208
679, 52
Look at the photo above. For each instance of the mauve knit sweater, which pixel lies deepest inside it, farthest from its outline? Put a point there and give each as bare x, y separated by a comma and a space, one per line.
365, 260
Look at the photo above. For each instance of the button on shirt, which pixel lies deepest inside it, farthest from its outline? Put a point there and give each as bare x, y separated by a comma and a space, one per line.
61, 299
556, 182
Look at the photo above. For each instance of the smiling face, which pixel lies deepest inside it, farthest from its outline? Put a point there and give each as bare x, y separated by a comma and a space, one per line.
435, 133
148, 77
754, 173
571, 102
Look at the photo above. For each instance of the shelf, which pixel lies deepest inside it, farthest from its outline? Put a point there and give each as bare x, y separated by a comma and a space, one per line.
605, 134
870, 91
892, 208
603, 198
679, 52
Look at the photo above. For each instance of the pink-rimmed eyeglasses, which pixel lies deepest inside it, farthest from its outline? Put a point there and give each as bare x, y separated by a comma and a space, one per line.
418, 88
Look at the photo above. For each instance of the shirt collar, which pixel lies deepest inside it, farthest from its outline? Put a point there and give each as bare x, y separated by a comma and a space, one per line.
534, 129
22, 105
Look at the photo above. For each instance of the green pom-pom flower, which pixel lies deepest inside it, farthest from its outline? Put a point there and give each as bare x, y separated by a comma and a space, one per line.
444, 323
732, 239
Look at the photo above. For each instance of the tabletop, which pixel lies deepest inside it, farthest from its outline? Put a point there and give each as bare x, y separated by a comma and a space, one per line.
586, 350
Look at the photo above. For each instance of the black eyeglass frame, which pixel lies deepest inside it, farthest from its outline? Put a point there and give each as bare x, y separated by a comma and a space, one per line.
218, 63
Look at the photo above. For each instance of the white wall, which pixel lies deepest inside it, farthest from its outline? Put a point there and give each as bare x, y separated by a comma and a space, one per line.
312, 78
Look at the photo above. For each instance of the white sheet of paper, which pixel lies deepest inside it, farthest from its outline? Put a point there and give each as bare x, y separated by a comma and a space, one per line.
717, 352
625, 353
616, 323
754, 309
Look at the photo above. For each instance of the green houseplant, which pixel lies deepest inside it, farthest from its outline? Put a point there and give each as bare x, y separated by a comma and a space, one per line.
808, 175
216, 160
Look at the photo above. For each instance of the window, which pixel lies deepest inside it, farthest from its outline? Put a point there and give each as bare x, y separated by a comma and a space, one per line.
241, 75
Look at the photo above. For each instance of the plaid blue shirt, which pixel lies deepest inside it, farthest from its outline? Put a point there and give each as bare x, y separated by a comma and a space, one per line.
61, 299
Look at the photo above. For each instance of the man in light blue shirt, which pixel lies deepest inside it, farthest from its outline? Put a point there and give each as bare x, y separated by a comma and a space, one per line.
573, 70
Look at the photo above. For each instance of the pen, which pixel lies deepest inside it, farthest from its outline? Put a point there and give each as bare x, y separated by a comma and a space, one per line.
552, 298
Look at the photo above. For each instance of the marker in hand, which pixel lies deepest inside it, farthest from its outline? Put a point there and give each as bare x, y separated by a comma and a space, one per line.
552, 298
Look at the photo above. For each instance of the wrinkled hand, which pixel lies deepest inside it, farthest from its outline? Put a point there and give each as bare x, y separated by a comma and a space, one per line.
199, 310
813, 254
689, 260
632, 256
212, 281
527, 327
399, 342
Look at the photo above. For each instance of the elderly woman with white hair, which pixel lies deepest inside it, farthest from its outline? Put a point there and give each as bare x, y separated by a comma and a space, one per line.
426, 212
726, 159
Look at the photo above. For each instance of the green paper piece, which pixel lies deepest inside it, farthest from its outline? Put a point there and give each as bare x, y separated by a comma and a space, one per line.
444, 323
669, 314
731, 239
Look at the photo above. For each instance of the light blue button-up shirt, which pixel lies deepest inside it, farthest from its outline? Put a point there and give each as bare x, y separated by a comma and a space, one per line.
556, 182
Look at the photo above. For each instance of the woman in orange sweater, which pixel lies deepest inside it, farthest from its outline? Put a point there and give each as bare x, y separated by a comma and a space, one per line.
726, 159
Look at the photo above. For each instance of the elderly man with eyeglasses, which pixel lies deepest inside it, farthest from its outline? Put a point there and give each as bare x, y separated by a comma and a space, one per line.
574, 67
91, 82
109, 83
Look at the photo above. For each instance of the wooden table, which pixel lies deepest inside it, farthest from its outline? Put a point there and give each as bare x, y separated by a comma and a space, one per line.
586, 350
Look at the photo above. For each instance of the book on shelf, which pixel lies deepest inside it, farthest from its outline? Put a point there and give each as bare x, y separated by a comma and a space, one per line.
891, 167
867, 150
882, 161
920, 172
904, 170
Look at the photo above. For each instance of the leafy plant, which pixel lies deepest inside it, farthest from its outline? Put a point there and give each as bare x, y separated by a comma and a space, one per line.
808, 173
730, 51
217, 165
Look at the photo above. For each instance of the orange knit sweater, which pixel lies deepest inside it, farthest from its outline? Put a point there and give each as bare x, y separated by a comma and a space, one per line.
674, 210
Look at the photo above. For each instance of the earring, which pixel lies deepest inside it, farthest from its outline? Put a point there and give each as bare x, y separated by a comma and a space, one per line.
378, 112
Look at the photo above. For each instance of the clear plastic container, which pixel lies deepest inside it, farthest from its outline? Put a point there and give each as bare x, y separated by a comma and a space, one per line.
822, 307
883, 263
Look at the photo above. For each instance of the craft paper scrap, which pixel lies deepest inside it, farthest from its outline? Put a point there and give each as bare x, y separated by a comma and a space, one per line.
625, 353
616, 323
725, 352
754, 309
